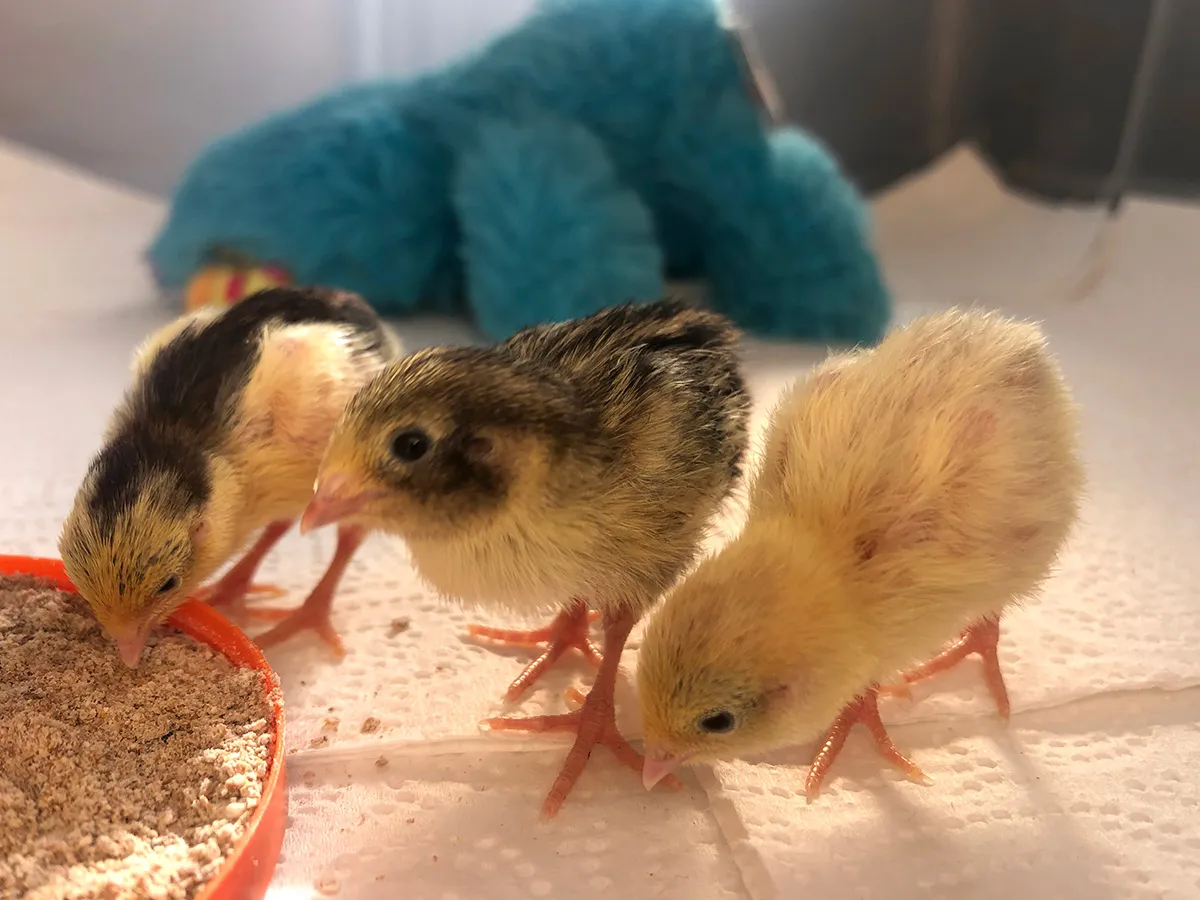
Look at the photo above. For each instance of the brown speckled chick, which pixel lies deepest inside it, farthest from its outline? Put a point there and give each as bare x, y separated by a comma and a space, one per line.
906, 493
576, 463
217, 440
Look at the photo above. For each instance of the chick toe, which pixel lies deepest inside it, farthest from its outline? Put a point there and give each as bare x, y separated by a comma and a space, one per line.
238, 583
983, 638
594, 724
314, 613
569, 629
864, 709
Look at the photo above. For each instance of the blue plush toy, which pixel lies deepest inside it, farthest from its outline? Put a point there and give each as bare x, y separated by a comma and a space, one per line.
573, 163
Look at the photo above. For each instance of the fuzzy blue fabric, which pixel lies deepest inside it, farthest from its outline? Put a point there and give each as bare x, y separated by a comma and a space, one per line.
575, 162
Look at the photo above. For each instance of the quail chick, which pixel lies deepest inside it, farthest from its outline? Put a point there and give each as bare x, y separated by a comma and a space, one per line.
575, 464
219, 439
905, 492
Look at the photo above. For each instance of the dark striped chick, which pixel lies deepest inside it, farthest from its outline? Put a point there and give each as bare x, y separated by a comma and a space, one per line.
574, 465
218, 440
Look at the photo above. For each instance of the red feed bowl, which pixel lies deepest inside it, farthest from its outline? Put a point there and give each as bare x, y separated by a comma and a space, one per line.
248, 869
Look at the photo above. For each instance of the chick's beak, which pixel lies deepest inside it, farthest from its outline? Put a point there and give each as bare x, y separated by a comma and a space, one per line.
658, 765
130, 641
338, 496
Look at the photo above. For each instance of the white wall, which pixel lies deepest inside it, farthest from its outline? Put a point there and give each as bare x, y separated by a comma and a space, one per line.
421, 33
133, 88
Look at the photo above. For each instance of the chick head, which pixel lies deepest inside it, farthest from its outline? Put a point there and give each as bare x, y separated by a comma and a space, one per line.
134, 537
441, 442
758, 649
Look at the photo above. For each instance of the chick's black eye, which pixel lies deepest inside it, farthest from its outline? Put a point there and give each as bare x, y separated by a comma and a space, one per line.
718, 722
409, 446
169, 585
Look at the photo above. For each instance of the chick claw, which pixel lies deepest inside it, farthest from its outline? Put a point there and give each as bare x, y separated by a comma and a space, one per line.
595, 723
235, 597
863, 709
237, 584
314, 612
983, 638
314, 616
569, 629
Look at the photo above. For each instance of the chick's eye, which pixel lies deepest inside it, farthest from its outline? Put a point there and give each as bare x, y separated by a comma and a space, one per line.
718, 722
410, 445
169, 585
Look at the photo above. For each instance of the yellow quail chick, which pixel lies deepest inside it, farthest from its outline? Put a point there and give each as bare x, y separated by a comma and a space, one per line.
218, 440
906, 493
575, 464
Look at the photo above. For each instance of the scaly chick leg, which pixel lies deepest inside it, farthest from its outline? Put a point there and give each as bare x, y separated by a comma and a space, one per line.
238, 583
863, 709
569, 629
314, 612
595, 723
983, 638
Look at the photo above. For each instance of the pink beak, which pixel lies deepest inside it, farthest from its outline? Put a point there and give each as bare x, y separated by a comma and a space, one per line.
658, 766
337, 497
130, 643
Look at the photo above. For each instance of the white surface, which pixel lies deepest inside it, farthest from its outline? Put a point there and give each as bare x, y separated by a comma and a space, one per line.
1048, 807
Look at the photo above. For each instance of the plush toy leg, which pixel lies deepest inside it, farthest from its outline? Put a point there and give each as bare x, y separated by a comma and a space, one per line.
548, 233
785, 240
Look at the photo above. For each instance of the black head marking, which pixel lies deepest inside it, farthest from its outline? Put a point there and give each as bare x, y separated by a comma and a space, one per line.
126, 466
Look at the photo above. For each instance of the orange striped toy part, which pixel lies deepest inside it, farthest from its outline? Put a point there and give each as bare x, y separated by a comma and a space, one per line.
226, 285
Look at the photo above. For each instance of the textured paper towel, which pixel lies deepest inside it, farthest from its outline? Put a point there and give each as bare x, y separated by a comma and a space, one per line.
1094, 800
464, 826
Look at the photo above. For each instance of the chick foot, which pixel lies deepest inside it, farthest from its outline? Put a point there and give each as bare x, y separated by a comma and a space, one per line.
595, 723
983, 638
314, 613
864, 709
569, 629
237, 584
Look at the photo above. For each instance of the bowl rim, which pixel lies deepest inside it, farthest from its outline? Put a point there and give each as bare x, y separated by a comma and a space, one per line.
205, 624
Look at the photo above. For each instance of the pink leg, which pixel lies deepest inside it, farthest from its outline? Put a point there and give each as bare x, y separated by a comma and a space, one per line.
238, 583
863, 709
569, 629
314, 612
983, 638
595, 723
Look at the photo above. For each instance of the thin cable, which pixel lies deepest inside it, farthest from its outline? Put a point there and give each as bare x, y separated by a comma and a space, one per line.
368, 39
1098, 254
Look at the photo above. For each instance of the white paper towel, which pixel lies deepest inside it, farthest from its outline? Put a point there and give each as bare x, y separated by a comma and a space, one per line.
460, 827
1097, 799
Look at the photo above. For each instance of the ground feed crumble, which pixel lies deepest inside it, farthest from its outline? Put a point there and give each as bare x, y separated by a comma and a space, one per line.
118, 783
